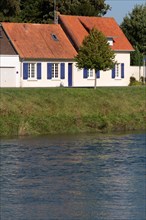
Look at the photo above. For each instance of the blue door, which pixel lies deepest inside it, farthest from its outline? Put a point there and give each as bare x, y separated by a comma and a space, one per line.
70, 74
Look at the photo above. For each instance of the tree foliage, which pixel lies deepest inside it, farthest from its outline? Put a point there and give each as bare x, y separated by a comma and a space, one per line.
9, 9
95, 53
134, 27
39, 11
83, 7
42, 11
137, 57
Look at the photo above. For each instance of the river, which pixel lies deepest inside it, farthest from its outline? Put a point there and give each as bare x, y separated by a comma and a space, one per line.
83, 177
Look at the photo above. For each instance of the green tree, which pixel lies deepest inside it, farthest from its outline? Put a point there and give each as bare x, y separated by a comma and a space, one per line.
134, 27
35, 11
137, 57
42, 11
9, 9
95, 53
100, 6
83, 7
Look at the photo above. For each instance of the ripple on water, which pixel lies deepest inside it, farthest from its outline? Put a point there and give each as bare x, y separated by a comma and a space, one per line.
78, 177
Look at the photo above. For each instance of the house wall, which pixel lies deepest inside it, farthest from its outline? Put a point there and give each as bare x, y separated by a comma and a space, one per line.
105, 76
44, 82
77, 75
9, 71
137, 71
6, 48
11, 64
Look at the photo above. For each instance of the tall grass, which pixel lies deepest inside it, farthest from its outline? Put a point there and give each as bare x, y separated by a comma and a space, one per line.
71, 110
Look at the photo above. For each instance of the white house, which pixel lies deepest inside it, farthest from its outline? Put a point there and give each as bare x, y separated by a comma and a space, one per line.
39, 55
77, 27
9, 62
42, 55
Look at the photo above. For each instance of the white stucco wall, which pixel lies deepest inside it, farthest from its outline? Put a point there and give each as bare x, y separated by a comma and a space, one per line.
137, 71
44, 82
77, 75
105, 76
10, 65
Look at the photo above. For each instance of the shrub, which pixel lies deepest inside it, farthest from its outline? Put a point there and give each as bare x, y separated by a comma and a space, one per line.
132, 79
143, 79
134, 82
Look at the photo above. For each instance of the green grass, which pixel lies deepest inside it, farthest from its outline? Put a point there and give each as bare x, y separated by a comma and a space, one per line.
71, 110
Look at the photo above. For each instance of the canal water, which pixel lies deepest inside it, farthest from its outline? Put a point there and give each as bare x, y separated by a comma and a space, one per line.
87, 177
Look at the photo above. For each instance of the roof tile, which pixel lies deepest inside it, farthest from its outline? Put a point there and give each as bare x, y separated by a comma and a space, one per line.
78, 26
35, 41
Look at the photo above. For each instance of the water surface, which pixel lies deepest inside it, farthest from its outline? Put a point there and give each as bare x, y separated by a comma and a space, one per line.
77, 177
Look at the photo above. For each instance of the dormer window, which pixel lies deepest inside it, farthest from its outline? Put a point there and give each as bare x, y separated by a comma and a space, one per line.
54, 37
110, 41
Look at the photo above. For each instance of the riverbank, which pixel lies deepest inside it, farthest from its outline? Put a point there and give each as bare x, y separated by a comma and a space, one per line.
41, 111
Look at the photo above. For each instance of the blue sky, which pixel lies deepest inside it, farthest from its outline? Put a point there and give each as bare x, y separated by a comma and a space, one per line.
120, 8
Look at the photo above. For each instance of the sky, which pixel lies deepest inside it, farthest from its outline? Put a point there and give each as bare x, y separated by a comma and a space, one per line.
121, 8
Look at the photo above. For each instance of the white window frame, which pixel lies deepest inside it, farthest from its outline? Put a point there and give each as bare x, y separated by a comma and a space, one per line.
32, 73
118, 71
55, 71
90, 73
110, 42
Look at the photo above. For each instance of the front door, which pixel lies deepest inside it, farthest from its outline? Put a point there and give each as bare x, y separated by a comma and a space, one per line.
70, 74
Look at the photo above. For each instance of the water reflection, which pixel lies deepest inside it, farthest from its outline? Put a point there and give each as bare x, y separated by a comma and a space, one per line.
80, 177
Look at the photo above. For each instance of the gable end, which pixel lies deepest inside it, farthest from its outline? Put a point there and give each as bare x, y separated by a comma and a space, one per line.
6, 47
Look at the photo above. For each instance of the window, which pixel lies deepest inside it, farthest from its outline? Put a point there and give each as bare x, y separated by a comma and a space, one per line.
55, 70
118, 70
110, 41
54, 37
90, 73
31, 71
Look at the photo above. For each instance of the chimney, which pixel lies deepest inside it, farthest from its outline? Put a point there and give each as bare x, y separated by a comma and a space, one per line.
55, 13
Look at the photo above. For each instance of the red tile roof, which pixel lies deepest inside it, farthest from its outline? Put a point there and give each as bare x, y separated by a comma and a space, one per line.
77, 27
36, 40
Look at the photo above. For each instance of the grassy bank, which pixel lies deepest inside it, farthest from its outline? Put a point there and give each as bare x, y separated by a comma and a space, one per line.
71, 110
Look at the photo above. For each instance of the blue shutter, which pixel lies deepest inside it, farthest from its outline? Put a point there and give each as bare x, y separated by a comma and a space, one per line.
62, 71
122, 70
39, 71
98, 74
49, 70
113, 73
25, 70
85, 73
